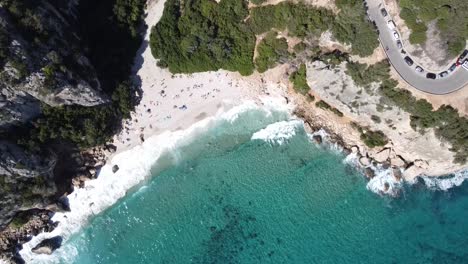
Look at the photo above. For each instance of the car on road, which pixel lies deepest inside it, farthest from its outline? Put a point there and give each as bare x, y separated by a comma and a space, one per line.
391, 24
443, 74
462, 56
419, 69
431, 75
453, 67
409, 61
396, 35
383, 12
399, 45
465, 64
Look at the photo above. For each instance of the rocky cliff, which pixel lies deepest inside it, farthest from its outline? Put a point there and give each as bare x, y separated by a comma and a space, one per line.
42, 60
27, 180
65, 87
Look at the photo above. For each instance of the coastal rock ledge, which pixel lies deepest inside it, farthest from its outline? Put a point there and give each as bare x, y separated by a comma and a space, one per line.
47, 246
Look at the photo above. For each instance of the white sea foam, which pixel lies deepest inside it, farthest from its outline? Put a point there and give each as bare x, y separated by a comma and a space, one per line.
279, 132
445, 183
384, 177
134, 167
326, 140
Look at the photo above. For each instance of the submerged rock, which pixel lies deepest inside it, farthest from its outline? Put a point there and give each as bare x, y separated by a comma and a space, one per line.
115, 168
47, 246
369, 172
386, 187
318, 139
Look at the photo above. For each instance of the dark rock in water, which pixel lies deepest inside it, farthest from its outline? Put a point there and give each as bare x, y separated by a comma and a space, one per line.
111, 148
318, 139
386, 186
63, 203
347, 151
386, 165
115, 168
397, 174
47, 246
369, 172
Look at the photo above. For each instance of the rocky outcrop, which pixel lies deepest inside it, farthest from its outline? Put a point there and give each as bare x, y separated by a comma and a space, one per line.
43, 60
21, 229
26, 180
47, 246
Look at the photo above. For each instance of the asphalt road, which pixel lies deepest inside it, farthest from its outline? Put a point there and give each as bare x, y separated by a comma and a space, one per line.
453, 82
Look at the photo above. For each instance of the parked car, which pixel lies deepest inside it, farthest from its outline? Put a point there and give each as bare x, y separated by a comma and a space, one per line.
453, 67
399, 45
443, 74
391, 24
465, 64
396, 35
462, 56
383, 12
419, 69
431, 75
409, 61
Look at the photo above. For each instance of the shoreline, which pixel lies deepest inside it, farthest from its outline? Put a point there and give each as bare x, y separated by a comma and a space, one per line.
197, 98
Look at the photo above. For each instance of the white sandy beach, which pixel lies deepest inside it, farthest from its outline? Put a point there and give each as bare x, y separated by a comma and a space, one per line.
173, 102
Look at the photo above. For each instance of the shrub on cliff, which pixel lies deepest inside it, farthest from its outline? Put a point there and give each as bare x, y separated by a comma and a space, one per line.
299, 80
363, 75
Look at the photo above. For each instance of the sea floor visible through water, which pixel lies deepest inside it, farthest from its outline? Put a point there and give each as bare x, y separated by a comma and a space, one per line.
250, 191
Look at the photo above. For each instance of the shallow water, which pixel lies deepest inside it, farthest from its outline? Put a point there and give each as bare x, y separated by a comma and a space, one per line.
228, 198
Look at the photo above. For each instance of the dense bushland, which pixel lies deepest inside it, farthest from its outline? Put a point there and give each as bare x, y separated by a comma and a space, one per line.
351, 26
203, 35
270, 51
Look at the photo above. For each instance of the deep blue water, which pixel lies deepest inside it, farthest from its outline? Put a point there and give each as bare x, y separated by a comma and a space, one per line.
230, 199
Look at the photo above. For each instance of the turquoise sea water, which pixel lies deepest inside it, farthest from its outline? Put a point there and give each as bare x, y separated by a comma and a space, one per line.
230, 199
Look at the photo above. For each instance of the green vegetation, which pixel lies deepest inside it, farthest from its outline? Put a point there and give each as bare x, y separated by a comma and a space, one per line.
371, 138
374, 139
203, 36
18, 221
376, 119
364, 75
352, 27
446, 121
270, 51
300, 47
299, 80
324, 105
299, 19
257, 2
451, 18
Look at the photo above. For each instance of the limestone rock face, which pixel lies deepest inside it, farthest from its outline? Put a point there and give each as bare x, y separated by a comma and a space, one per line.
26, 180
382, 156
43, 67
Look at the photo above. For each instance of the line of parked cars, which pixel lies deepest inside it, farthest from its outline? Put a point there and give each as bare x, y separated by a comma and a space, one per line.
461, 60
